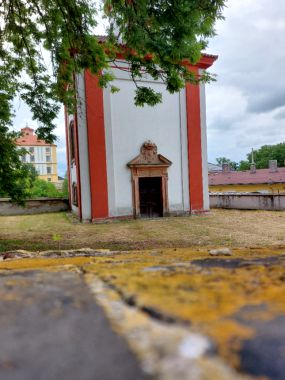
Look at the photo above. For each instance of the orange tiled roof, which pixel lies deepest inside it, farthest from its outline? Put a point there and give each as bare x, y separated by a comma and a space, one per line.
28, 138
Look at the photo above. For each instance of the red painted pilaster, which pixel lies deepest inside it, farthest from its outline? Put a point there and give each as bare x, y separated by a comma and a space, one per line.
96, 147
194, 146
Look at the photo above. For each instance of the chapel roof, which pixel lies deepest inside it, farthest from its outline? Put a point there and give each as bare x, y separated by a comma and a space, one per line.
205, 62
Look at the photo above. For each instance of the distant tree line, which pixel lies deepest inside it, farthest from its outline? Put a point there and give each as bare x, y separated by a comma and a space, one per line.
261, 157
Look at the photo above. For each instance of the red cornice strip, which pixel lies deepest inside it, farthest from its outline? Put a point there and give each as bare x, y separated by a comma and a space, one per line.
205, 62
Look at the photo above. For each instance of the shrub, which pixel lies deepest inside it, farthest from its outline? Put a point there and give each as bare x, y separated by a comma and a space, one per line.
43, 188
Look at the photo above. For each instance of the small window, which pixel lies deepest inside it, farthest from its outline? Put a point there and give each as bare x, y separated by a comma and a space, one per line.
47, 150
48, 159
49, 179
32, 158
32, 150
24, 158
74, 194
48, 170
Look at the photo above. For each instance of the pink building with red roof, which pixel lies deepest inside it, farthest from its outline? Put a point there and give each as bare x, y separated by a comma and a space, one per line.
40, 154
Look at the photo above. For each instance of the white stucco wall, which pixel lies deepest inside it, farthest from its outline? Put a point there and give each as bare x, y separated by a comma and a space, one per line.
206, 200
128, 126
83, 149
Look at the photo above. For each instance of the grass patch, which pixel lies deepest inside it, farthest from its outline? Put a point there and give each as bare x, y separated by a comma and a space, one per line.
221, 227
15, 244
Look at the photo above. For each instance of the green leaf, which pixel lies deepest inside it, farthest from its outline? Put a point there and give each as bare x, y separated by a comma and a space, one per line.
146, 95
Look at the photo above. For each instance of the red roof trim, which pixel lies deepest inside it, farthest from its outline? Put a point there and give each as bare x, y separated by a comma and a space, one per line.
205, 62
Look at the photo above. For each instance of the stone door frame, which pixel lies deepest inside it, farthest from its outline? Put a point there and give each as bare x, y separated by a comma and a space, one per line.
149, 164
146, 172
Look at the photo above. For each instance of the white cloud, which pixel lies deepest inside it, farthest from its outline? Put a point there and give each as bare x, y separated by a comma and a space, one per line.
226, 104
246, 106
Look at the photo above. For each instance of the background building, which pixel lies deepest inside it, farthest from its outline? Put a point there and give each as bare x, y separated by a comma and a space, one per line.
40, 154
214, 167
264, 181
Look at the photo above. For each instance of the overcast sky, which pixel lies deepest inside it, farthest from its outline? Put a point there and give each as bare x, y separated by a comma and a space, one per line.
246, 106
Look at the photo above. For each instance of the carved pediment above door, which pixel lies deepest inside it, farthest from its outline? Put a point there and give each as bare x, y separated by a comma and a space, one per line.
149, 157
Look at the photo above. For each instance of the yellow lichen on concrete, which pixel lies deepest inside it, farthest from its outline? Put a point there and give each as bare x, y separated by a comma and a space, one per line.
168, 283
183, 285
43, 263
166, 351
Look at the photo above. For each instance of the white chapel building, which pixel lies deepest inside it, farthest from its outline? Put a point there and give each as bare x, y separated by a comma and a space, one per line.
126, 161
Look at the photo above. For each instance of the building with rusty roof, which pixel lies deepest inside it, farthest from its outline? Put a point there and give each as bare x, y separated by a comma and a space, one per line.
265, 181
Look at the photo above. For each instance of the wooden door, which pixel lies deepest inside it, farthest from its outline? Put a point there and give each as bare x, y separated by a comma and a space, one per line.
150, 197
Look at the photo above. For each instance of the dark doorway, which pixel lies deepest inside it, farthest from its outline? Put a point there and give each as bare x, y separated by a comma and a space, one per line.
150, 193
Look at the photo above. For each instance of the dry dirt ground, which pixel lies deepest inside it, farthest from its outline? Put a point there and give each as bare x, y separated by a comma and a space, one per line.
221, 227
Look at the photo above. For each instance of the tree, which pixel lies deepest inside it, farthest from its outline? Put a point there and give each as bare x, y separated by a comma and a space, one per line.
262, 156
244, 165
16, 178
65, 186
158, 36
268, 152
224, 160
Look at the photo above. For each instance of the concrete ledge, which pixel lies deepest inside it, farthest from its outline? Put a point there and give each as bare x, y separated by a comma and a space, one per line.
271, 202
33, 206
